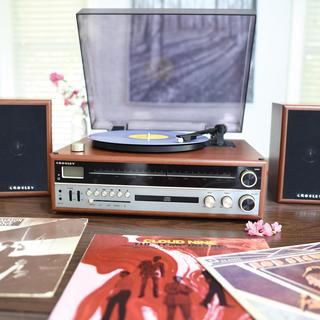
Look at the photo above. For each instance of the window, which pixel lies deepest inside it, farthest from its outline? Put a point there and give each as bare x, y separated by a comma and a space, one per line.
310, 71
44, 40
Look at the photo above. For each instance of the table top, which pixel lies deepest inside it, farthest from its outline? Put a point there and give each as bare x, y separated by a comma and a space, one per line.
301, 224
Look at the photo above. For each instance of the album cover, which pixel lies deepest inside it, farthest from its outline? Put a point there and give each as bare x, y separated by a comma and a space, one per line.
282, 281
150, 277
34, 254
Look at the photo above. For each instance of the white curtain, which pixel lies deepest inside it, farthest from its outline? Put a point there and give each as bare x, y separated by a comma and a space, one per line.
206, 4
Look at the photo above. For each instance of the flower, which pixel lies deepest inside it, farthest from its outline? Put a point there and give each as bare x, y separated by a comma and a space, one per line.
261, 229
71, 96
276, 227
55, 78
267, 230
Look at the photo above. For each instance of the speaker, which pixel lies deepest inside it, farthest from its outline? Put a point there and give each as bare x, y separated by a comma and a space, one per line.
25, 143
295, 153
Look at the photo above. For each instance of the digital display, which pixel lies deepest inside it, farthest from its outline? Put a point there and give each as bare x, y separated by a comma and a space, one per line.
73, 172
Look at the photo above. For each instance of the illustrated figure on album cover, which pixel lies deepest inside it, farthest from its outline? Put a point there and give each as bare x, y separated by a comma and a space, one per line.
119, 296
151, 269
178, 296
11, 267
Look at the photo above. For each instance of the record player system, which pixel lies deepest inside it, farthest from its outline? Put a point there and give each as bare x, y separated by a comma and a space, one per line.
165, 85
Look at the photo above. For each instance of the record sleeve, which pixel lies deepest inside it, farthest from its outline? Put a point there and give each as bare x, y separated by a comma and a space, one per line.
150, 277
34, 254
278, 283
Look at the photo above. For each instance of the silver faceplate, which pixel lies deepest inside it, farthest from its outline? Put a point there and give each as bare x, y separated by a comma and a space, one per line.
122, 197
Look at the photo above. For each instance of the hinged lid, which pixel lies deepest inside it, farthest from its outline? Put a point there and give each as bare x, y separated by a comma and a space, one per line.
166, 69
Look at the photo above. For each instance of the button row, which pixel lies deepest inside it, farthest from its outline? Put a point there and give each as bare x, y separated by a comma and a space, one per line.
111, 193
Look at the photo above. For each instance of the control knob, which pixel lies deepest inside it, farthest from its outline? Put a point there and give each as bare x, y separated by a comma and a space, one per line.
227, 202
209, 201
247, 203
248, 178
96, 193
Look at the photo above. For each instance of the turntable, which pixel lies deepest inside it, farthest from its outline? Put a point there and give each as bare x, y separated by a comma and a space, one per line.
165, 85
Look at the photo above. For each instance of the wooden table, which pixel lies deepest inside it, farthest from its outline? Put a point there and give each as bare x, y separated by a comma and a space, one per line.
301, 224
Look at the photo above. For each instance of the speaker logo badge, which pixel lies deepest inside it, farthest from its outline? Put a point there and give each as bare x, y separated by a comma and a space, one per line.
21, 188
308, 196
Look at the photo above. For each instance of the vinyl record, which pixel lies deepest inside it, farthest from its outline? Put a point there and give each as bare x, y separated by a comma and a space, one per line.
153, 141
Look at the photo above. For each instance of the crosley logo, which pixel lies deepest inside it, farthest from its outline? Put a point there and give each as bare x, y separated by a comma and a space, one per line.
66, 163
19, 188
308, 196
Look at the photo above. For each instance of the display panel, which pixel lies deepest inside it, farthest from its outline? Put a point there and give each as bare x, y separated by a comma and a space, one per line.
72, 172
166, 69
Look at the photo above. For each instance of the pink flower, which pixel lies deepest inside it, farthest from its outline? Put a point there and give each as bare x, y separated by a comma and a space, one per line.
253, 229
55, 78
74, 93
276, 227
267, 230
70, 95
83, 104
67, 102
259, 224
261, 229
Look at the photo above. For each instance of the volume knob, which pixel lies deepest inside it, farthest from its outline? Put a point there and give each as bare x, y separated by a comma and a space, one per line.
248, 178
209, 201
247, 203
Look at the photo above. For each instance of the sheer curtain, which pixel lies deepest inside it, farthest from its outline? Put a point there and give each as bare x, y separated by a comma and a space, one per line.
206, 4
40, 37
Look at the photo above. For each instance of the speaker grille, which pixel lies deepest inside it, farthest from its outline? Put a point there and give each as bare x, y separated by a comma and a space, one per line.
302, 155
24, 149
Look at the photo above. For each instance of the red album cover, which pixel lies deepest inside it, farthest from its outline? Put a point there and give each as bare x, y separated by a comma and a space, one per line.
150, 277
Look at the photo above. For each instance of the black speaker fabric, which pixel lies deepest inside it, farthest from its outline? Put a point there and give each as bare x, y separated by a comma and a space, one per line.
302, 156
25, 140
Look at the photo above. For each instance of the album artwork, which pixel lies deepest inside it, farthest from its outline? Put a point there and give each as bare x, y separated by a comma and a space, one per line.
150, 277
34, 254
281, 282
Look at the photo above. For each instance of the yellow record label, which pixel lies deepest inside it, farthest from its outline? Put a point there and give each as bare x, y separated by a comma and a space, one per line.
148, 136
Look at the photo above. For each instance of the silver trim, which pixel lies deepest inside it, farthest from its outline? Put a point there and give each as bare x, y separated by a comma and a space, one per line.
115, 186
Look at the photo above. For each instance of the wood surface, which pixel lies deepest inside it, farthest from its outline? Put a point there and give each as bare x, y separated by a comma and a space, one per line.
242, 153
301, 224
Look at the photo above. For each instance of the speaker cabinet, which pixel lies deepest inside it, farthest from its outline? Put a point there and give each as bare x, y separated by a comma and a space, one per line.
25, 143
295, 153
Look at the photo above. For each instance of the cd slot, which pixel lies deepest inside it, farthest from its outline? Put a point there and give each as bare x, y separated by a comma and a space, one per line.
166, 199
